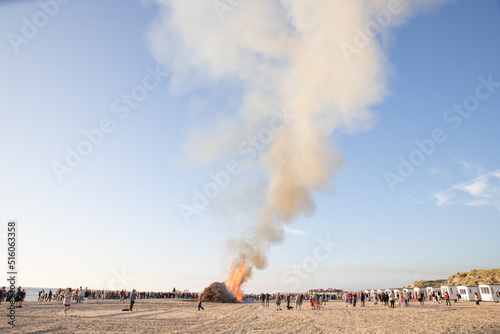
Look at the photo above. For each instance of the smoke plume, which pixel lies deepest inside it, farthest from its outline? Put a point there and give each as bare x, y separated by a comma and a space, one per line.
321, 61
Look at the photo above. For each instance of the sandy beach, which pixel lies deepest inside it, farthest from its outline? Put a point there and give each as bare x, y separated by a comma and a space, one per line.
175, 316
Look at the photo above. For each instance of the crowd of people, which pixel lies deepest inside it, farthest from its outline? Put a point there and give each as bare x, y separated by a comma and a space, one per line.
10, 296
390, 298
291, 299
68, 295
83, 295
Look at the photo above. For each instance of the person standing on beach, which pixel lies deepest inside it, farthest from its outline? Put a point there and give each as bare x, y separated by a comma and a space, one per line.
23, 297
199, 303
278, 302
447, 297
298, 301
405, 297
316, 301
392, 299
268, 296
67, 300
132, 299
288, 300
86, 294
263, 299
2, 295
19, 297
476, 297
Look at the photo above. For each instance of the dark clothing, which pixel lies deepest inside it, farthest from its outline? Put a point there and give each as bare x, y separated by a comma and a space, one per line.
132, 300
19, 295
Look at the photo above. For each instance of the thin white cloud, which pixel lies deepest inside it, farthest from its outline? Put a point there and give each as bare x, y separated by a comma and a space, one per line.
362, 224
295, 231
418, 203
483, 190
477, 188
479, 169
442, 198
477, 203
338, 263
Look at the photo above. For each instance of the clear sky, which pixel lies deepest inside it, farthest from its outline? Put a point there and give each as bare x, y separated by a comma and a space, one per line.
417, 195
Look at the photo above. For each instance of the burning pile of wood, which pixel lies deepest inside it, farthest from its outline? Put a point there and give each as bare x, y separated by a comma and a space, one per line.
218, 293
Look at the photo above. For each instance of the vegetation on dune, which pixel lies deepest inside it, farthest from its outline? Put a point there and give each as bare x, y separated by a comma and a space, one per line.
471, 278
426, 283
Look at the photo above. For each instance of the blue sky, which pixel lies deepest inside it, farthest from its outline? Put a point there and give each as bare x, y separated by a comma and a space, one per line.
114, 221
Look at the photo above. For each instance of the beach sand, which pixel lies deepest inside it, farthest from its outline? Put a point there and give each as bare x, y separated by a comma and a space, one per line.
175, 316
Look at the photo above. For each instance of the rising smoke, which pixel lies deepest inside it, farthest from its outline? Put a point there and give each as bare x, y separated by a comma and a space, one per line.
323, 61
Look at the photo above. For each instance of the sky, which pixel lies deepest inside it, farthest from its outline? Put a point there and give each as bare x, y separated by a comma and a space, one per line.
126, 131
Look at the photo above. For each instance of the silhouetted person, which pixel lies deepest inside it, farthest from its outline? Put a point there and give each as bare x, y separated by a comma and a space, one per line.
133, 295
199, 303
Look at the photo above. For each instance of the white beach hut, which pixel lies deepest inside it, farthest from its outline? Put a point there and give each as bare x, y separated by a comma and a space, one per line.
490, 292
452, 291
467, 292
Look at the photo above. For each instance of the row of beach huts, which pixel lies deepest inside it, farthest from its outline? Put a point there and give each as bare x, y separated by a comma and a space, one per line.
487, 292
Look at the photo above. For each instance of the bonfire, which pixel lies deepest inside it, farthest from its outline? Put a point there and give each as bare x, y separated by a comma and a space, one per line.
228, 292
235, 279
218, 293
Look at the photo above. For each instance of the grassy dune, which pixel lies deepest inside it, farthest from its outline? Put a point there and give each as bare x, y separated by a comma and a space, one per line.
471, 278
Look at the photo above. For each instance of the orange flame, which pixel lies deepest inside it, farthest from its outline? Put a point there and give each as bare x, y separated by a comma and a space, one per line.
235, 280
